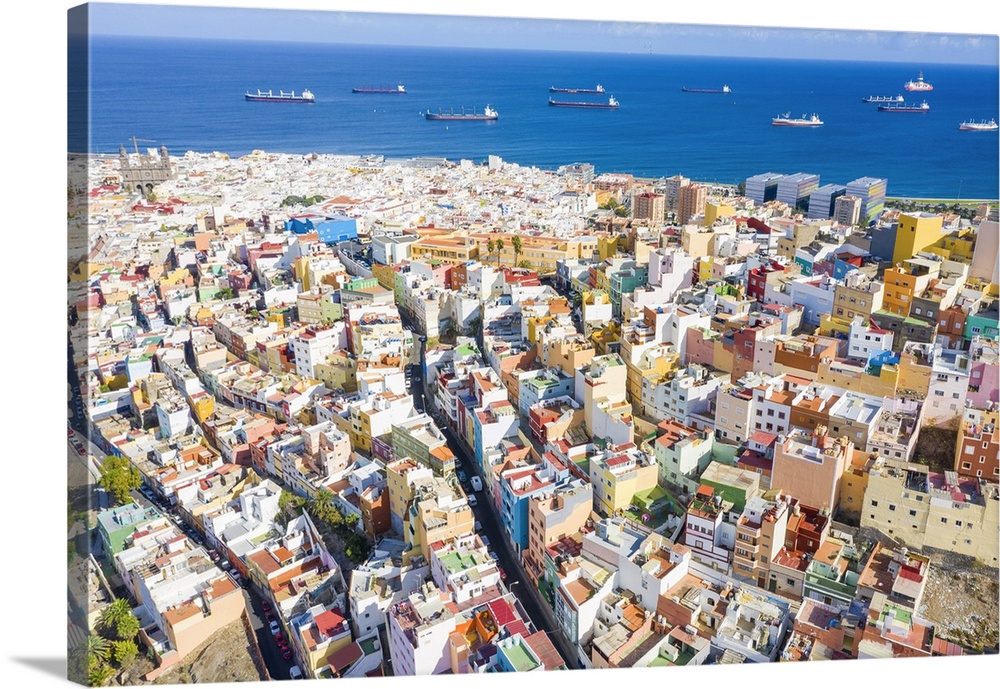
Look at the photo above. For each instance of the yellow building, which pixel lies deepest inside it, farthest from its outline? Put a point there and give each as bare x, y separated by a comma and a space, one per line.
339, 371
706, 266
918, 508
401, 474
697, 240
607, 247
717, 210
542, 252
309, 305
852, 376
854, 482
616, 477
439, 512
386, 276
328, 633
457, 247
605, 338
202, 405
914, 233
567, 355
957, 246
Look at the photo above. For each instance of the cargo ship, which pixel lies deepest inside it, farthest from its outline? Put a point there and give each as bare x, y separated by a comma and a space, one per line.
724, 89
883, 99
905, 107
983, 126
281, 97
610, 105
558, 89
787, 120
918, 85
488, 114
399, 89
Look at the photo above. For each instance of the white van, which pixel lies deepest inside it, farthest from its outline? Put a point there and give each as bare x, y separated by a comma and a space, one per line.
477, 484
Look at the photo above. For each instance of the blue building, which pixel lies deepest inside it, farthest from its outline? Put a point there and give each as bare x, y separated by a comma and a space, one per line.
517, 486
331, 230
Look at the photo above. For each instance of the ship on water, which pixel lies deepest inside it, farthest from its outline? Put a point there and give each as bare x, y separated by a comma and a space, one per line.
452, 116
787, 120
281, 97
610, 105
559, 89
724, 89
905, 107
398, 89
982, 126
883, 99
918, 85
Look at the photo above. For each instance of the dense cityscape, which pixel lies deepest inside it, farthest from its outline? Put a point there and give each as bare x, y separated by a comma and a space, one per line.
351, 416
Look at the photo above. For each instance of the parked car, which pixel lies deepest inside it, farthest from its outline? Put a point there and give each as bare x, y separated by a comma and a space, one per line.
275, 627
286, 654
503, 574
294, 672
478, 525
493, 556
477, 484
472, 500
461, 476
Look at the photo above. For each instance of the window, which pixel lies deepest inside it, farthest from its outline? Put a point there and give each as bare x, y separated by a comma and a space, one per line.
968, 449
913, 513
892, 508
874, 504
944, 520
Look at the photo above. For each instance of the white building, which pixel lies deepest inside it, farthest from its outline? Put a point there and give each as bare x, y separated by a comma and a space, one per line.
865, 340
313, 345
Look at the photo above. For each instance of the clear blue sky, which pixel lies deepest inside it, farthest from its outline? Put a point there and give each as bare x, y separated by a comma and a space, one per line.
751, 39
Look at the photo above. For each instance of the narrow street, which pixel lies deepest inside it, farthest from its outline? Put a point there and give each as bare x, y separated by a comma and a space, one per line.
536, 609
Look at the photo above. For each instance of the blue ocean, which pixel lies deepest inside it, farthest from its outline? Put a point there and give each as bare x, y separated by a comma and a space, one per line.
188, 95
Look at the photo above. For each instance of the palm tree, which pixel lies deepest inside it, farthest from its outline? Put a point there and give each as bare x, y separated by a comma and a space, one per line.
98, 647
499, 246
491, 246
323, 507
99, 675
113, 615
516, 242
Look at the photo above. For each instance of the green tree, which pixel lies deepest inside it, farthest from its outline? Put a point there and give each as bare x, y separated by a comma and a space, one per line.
516, 243
322, 507
289, 501
112, 615
128, 628
124, 652
499, 246
527, 265
119, 478
491, 246
100, 675
226, 293
98, 650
